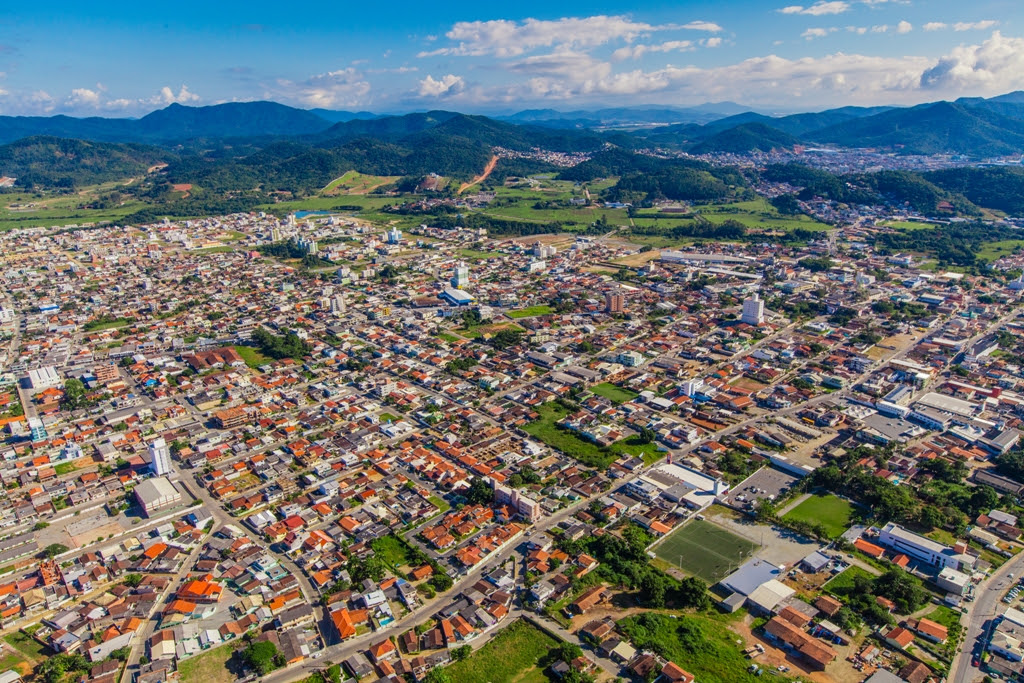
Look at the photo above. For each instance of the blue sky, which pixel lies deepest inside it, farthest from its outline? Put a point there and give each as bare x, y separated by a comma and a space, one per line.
125, 59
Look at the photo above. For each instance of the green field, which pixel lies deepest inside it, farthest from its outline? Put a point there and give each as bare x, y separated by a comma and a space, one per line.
252, 357
28, 210
392, 550
702, 645
705, 550
613, 393
842, 584
209, 667
830, 511
477, 255
450, 338
993, 251
581, 449
530, 312
513, 655
357, 183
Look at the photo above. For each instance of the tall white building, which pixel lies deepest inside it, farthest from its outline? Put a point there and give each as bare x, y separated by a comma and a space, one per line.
461, 277
160, 457
394, 236
753, 310
338, 304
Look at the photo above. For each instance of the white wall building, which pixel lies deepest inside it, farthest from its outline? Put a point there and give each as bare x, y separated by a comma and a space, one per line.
753, 310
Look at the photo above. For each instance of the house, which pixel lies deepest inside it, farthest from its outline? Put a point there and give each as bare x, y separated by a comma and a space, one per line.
899, 637
929, 630
588, 600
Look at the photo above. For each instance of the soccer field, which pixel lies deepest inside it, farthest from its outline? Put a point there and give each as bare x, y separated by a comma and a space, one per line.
705, 550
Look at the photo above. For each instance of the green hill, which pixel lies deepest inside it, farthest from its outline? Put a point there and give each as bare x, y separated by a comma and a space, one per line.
747, 137
58, 162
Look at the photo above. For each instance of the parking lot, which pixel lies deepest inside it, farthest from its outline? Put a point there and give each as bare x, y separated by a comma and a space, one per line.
767, 482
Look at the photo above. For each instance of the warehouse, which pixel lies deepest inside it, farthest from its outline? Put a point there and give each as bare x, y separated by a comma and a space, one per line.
156, 494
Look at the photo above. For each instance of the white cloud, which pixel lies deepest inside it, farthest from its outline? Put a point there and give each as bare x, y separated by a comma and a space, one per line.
712, 42
975, 26
506, 38
447, 85
708, 26
167, 96
83, 97
820, 8
812, 33
346, 87
880, 29
995, 66
638, 51
935, 26
859, 30
904, 27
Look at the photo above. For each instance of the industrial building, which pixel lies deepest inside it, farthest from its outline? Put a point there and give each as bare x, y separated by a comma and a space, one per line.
156, 494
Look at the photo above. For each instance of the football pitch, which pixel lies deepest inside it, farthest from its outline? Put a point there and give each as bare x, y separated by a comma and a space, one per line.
705, 550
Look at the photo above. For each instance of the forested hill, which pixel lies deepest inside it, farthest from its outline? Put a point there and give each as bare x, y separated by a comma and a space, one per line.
59, 162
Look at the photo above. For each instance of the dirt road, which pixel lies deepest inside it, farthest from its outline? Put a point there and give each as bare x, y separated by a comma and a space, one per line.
482, 177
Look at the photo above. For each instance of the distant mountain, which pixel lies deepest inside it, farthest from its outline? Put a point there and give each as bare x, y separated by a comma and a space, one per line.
341, 116
625, 116
747, 137
174, 123
383, 128
943, 127
58, 162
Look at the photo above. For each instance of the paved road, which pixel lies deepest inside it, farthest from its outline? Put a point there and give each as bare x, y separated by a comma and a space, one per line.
979, 613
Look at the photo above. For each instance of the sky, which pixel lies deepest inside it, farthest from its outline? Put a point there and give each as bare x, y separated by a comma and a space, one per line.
129, 58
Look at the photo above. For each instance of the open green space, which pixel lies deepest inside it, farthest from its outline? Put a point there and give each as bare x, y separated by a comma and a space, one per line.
512, 655
209, 667
478, 255
28, 210
841, 585
223, 249
830, 511
388, 417
357, 183
530, 312
27, 646
944, 615
575, 446
613, 393
702, 645
392, 550
450, 338
441, 504
253, 357
993, 251
705, 550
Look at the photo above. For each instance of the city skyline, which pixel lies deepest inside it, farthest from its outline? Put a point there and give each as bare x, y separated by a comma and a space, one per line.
126, 60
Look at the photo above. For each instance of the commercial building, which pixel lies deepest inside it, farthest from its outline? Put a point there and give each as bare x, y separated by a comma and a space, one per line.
159, 457
525, 507
44, 378
457, 297
678, 484
753, 310
156, 494
925, 550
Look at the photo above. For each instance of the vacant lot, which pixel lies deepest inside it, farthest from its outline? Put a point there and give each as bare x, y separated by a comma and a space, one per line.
705, 550
209, 667
252, 357
546, 429
830, 511
842, 585
530, 312
613, 393
513, 655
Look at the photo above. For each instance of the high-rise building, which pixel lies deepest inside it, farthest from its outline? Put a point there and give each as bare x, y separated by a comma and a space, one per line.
159, 457
614, 301
394, 236
753, 310
461, 277
37, 429
338, 304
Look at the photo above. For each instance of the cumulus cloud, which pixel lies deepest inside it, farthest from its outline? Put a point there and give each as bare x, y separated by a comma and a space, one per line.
638, 51
711, 42
935, 26
904, 27
342, 88
702, 26
882, 28
167, 96
975, 26
506, 38
83, 97
446, 85
812, 33
997, 65
820, 8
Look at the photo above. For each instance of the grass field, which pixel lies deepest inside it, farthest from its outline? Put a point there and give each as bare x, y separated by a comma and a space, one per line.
705, 550
252, 357
392, 550
581, 449
831, 511
27, 210
356, 183
209, 667
450, 338
702, 645
27, 653
530, 312
842, 584
613, 393
512, 656
477, 255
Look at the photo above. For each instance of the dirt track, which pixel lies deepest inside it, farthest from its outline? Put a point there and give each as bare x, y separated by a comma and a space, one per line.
482, 177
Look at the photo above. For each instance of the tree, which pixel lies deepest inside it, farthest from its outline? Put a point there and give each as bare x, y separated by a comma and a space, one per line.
54, 669
441, 582
261, 656
479, 492
74, 394
437, 675
462, 652
647, 435
54, 549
